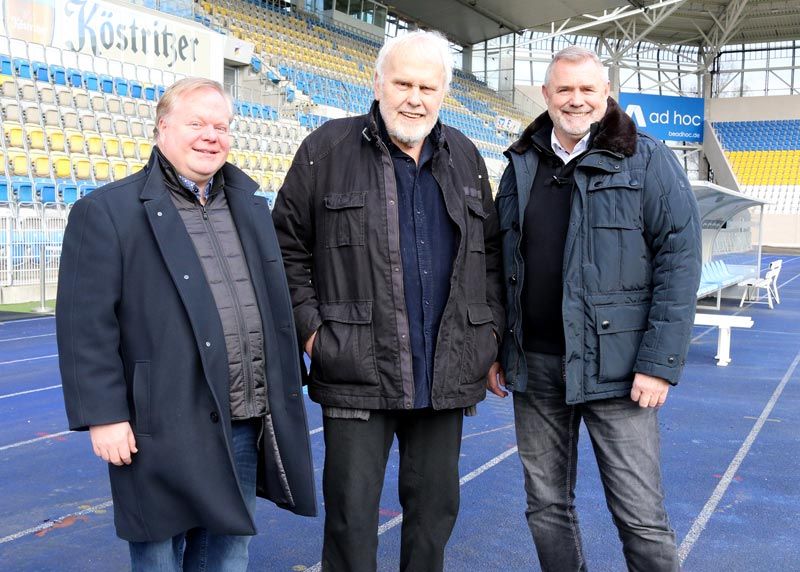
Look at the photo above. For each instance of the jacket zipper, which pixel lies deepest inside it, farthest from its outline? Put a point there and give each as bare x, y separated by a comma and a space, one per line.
244, 342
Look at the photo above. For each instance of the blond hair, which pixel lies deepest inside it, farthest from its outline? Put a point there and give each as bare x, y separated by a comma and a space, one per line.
184, 86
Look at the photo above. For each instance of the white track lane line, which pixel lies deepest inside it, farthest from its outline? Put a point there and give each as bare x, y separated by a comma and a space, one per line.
388, 525
23, 320
36, 440
52, 523
27, 359
7, 395
708, 510
27, 337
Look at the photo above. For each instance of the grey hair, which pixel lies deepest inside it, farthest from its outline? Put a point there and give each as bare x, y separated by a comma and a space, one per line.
183, 86
575, 55
434, 39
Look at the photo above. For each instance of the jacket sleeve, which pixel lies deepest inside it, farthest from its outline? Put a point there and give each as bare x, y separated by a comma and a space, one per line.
89, 288
495, 293
293, 217
672, 230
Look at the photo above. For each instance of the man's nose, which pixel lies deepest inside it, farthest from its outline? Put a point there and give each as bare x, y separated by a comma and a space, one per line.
414, 96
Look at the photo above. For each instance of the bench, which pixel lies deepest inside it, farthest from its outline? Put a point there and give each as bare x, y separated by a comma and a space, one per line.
716, 276
724, 323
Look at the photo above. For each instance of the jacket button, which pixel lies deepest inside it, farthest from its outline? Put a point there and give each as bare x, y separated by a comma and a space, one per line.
605, 324
671, 359
515, 225
513, 279
214, 417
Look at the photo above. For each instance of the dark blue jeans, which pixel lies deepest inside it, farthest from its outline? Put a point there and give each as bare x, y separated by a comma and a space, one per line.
625, 439
198, 550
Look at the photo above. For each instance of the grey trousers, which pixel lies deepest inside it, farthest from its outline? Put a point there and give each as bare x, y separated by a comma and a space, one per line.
625, 439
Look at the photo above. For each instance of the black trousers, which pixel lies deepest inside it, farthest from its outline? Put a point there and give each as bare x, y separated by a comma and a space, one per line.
355, 464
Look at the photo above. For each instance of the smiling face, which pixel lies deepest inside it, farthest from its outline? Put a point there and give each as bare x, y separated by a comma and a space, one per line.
410, 94
195, 135
576, 95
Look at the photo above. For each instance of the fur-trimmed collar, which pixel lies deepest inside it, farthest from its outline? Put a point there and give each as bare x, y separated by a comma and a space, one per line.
615, 132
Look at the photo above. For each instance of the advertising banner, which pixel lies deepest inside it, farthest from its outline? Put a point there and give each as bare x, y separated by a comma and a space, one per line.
666, 117
120, 32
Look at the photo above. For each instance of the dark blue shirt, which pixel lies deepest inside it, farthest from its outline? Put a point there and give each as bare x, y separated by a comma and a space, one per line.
427, 247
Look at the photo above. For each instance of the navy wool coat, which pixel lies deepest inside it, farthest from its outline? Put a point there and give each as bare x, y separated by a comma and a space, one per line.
140, 339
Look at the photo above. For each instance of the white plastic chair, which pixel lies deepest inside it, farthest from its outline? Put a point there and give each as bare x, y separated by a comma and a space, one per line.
768, 283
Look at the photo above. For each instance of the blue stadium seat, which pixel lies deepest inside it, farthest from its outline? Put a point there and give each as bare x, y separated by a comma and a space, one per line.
23, 189
121, 86
22, 68
68, 192
106, 83
91, 81
74, 77
45, 189
6, 195
40, 71
6, 66
137, 88
150, 93
58, 75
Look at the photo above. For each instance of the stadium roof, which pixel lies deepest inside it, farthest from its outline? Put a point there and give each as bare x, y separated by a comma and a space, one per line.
695, 22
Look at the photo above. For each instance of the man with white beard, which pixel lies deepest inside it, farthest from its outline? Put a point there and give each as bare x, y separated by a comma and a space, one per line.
391, 249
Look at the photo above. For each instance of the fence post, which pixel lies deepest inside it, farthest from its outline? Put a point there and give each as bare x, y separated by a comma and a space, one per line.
42, 309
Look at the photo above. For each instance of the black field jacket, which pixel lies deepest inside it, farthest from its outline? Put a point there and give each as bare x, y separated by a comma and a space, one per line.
337, 223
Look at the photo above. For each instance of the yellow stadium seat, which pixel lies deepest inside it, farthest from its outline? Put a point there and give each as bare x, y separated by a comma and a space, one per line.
40, 164
82, 167
14, 134
102, 169
143, 148
62, 167
36, 138
94, 143
18, 163
76, 143
119, 169
111, 144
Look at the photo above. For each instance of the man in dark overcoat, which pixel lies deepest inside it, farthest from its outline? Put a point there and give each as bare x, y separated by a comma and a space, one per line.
177, 346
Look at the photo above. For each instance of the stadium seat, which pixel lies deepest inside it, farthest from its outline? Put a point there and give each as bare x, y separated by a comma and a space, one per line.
119, 169
36, 137
68, 191
40, 164
18, 163
81, 167
75, 140
111, 145
14, 134
62, 166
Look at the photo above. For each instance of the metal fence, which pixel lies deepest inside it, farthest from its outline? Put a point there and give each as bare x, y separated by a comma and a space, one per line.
30, 244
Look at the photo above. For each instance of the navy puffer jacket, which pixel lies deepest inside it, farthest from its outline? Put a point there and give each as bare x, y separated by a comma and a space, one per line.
632, 260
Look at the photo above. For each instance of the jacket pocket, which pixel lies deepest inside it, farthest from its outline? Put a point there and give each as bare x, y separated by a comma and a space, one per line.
620, 329
477, 215
141, 397
615, 201
480, 345
344, 350
343, 221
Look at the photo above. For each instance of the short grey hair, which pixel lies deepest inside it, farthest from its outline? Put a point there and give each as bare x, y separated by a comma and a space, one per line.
436, 41
575, 55
183, 86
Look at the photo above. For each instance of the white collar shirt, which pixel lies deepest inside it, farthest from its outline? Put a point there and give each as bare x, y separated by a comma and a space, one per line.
565, 155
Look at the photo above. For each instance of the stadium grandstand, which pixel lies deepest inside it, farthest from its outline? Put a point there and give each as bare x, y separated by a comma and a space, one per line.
718, 80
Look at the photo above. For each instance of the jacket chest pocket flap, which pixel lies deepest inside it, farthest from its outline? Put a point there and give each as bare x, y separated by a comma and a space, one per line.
475, 224
344, 219
615, 201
